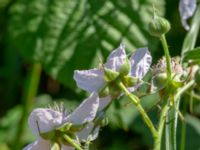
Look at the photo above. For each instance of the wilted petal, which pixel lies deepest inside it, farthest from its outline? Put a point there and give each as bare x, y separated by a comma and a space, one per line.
90, 80
104, 102
140, 62
44, 120
86, 111
39, 144
186, 9
66, 147
116, 59
89, 132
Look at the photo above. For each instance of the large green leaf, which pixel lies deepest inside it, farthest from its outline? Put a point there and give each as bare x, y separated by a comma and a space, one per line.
65, 35
193, 55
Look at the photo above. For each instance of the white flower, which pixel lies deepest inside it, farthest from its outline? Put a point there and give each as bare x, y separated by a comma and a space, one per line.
93, 80
44, 120
186, 9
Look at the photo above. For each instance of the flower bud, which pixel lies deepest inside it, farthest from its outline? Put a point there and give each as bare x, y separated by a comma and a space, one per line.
160, 80
48, 135
159, 26
110, 75
125, 68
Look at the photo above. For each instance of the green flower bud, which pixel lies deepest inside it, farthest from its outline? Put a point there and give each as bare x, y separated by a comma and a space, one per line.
125, 68
129, 81
110, 75
160, 80
197, 77
159, 26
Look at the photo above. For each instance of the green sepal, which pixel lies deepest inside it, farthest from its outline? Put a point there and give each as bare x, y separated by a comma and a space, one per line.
177, 84
55, 146
77, 128
101, 119
125, 68
104, 92
48, 135
129, 81
110, 75
66, 127
69, 127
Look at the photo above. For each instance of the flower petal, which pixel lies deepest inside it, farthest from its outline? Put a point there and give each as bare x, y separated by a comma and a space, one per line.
66, 147
86, 111
116, 59
39, 144
104, 102
140, 62
90, 132
186, 9
90, 80
44, 120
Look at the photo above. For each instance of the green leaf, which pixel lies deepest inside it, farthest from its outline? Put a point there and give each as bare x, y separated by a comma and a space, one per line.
191, 37
66, 35
193, 55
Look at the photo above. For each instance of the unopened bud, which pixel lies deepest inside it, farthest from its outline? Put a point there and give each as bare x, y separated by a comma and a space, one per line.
125, 68
160, 80
159, 26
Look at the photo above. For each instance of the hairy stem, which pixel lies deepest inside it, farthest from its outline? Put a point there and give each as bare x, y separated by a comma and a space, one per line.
135, 100
162, 120
167, 56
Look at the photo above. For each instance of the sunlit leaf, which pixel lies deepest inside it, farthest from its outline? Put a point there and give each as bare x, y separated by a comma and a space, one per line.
193, 55
65, 35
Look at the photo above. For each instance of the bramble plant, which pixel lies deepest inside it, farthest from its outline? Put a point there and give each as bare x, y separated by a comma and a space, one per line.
57, 129
122, 75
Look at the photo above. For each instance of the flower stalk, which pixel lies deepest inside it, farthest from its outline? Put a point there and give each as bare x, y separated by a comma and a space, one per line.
167, 56
135, 100
162, 119
71, 142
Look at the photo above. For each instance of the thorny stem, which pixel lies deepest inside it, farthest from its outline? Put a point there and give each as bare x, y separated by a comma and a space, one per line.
135, 100
167, 56
72, 143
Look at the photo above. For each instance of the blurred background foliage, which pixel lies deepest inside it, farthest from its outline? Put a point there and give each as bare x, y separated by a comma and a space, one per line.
64, 35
